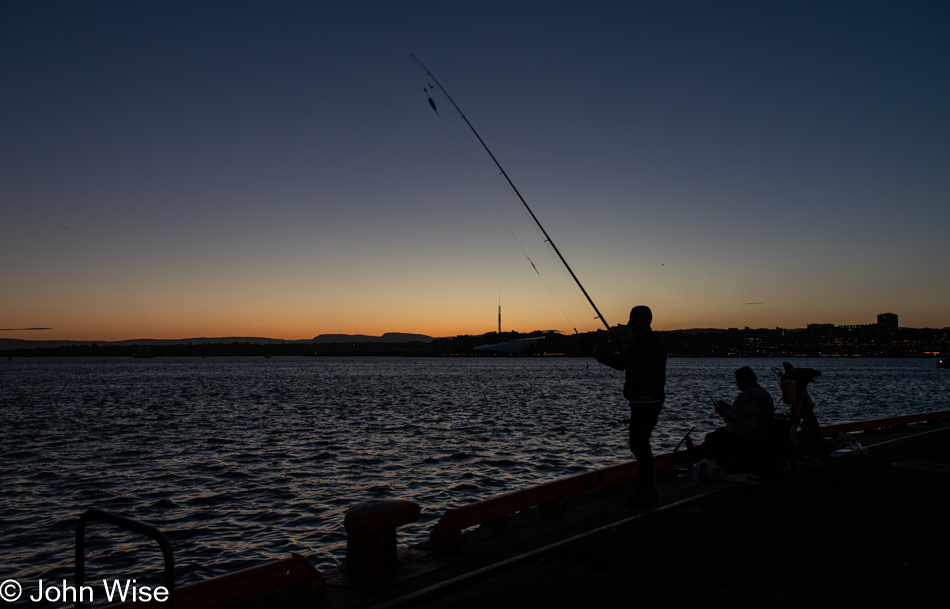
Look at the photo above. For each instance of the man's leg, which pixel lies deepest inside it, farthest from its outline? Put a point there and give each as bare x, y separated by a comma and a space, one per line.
643, 418
713, 443
719, 443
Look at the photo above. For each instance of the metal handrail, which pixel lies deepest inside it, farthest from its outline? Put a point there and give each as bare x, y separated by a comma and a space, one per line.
130, 525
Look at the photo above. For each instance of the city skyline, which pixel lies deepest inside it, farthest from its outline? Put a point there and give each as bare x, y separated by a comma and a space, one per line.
175, 170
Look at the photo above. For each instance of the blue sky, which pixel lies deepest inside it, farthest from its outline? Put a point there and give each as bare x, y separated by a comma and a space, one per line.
178, 169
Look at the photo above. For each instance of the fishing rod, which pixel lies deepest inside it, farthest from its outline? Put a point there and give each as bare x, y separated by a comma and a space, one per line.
547, 238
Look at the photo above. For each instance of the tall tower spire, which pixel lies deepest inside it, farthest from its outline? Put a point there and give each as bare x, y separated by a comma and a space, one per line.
499, 314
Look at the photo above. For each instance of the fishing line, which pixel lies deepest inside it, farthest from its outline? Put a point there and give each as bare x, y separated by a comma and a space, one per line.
515, 189
498, 209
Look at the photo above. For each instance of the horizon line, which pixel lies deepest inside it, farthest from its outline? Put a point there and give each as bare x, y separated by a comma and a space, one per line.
343, 334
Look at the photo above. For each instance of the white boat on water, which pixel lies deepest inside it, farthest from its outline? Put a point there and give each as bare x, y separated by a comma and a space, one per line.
511, 347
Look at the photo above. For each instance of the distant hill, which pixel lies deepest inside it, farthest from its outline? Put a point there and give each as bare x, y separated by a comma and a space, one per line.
8, 344
255, 340
14, 343
389, 337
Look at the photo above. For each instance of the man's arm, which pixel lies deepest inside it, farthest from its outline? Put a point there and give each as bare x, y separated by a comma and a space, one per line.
617, 361
739, 408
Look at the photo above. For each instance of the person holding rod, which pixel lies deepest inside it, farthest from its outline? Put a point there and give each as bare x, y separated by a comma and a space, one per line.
644, 362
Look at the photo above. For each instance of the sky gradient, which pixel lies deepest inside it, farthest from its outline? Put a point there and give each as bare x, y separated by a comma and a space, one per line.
184, 169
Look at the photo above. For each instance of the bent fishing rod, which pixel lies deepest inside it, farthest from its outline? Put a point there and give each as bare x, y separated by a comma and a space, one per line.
547, 238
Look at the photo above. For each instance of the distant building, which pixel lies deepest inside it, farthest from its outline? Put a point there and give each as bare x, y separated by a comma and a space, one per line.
888, 320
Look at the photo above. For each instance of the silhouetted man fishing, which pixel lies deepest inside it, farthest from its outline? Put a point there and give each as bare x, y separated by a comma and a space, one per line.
644, 361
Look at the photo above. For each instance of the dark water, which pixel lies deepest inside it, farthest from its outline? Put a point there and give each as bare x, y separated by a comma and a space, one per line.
243, 460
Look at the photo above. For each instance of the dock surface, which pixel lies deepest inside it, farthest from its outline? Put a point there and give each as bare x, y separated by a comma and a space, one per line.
877, 538
864, 530
869, 531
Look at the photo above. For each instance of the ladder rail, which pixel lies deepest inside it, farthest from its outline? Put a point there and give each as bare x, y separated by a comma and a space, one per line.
128, 524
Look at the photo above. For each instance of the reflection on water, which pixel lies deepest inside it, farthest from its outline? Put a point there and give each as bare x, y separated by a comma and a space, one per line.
244, 460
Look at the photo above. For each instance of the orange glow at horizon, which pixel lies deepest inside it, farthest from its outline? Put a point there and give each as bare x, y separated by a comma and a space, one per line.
289, 328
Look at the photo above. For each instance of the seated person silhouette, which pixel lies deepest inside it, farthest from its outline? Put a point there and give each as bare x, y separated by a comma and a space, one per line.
747, 425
